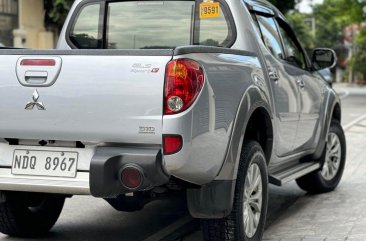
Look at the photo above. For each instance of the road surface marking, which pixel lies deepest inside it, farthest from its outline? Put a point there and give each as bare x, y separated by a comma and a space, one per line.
349, 125
344, 94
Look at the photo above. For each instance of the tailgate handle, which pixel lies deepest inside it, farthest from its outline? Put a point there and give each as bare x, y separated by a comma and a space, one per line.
38, 71
36, 77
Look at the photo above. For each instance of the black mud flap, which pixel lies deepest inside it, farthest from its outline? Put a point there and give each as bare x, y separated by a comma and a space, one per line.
214, 200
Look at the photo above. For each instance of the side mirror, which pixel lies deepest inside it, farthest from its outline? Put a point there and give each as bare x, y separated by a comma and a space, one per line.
323, 58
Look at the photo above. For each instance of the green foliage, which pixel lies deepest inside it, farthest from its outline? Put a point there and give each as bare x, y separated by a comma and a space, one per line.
284, 5
328, 24
56, 11
303, 31
331, 18
359, 58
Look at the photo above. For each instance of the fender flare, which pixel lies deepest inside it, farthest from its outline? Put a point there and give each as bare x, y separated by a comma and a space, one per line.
252, 100
215, 199
332, 101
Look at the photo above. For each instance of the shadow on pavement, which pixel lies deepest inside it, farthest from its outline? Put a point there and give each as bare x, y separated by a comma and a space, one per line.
280, 199
89, 219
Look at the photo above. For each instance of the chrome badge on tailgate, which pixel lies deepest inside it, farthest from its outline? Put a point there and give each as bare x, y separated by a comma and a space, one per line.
30, 105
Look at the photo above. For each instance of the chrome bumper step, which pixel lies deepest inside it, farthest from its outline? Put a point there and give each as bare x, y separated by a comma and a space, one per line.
72, 186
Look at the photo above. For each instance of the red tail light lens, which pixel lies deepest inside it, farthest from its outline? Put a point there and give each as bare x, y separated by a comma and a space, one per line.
131, 177
172, 144
38, 62
184, 81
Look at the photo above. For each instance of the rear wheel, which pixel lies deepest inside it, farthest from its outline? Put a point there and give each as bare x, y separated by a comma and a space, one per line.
247, 218
328, 178
29, 214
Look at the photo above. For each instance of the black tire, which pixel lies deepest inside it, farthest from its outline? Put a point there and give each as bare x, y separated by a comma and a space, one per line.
315, 182
29, 214
232, 227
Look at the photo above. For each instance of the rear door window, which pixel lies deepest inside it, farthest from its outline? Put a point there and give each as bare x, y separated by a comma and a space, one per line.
294, 53
213, 31
85, 33
270, 36
152, 25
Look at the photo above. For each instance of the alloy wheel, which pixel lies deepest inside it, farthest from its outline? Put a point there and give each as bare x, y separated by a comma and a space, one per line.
252, 200
332, 157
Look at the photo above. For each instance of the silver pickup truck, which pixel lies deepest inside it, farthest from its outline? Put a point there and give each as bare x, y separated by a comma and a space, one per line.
147, 98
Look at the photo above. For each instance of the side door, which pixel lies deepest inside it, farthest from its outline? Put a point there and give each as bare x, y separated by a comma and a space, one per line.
283, 85
310, 88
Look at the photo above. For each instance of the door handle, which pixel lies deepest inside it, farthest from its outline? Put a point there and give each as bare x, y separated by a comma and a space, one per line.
301, 83
273, 75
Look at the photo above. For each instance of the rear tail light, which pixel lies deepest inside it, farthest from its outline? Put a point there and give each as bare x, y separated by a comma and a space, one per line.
38, 62
184, 81
172, 144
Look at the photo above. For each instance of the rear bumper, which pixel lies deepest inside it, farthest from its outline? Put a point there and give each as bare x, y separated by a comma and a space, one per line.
75, 186
107, 163
101, 177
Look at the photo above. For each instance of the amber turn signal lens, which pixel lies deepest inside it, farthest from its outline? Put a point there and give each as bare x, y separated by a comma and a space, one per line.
183, 82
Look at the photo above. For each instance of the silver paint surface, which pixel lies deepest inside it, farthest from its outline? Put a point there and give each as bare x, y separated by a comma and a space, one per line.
111, 99
95, 99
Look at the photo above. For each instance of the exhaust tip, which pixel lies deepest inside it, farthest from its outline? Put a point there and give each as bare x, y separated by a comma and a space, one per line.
131, 177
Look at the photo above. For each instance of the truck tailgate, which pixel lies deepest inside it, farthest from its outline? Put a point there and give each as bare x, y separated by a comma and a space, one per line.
73, 97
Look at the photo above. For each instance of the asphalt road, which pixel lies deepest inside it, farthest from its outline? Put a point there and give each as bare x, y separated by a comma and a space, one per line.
90, 219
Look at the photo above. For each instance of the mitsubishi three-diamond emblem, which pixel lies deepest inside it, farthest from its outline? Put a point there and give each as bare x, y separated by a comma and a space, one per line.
30, 105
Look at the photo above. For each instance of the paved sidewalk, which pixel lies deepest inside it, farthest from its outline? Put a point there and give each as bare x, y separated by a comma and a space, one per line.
339, 215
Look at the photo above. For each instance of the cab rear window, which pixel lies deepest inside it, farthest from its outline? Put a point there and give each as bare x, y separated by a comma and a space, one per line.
151, 25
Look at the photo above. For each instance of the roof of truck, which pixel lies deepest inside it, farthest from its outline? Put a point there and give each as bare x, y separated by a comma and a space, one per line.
265, 7
257, 5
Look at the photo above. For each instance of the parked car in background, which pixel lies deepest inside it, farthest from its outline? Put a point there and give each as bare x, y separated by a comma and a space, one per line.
148, 98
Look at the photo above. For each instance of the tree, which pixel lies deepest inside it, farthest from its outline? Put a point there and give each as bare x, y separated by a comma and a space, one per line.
332, 16
56, 12
359, 58
302, 30
329, 27
284, 5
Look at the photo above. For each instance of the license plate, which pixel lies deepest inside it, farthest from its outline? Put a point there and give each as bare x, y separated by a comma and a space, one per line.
44, 163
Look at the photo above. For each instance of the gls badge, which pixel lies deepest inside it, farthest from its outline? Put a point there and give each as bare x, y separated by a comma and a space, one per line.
30, 105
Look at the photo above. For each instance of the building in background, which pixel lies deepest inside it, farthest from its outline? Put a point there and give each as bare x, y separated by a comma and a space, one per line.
9, 17
22, 25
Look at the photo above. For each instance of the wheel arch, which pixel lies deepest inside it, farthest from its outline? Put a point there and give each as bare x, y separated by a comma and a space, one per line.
337, 113
215, 199
260, 129
254, 111
332, 110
